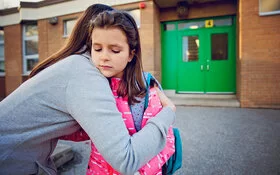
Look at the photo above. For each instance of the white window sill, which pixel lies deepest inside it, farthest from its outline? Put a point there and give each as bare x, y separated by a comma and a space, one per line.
26, 74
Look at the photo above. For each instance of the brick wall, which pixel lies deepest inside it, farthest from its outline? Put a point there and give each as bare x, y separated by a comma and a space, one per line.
147, 36
219, 8
259, 57
157, 44
43, 46
51, 37
13, 57
150, 39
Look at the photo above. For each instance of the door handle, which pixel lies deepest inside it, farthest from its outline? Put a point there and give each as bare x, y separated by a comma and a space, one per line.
201, 67
208, 67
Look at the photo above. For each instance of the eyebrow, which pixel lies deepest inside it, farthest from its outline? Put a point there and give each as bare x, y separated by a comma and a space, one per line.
110, 45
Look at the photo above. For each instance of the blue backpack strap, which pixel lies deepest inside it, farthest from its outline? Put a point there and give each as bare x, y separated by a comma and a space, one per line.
148, 77
175, 161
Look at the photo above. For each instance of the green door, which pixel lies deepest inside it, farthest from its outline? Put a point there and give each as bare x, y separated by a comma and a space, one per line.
220, 60
190, 74
206, 60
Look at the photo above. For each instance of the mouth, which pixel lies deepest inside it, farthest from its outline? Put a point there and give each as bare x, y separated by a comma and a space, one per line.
105, 67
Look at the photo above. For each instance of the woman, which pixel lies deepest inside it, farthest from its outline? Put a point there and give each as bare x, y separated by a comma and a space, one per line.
65, 93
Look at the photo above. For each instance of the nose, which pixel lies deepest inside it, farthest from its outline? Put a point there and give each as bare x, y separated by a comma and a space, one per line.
105, 56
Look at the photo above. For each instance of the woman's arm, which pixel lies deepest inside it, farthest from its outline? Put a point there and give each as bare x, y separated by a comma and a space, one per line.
91, 103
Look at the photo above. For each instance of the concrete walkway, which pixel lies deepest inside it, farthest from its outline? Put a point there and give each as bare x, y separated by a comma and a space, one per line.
216, 141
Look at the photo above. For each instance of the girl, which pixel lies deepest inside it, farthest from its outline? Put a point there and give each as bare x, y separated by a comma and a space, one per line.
116, 52
67, 93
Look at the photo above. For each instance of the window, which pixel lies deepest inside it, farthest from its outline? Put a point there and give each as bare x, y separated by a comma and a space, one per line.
136, 15
223, 22
269, 7
219, 46
190, 48
191, 25
203, 24
68, 26
169, 27
2, 60
30, 47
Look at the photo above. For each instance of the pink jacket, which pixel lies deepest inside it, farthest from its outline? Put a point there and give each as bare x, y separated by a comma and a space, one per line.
98, 165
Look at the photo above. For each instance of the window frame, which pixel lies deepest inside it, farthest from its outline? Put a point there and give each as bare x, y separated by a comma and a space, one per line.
2, 42
65, 34
275, 12
27, 57
138, 22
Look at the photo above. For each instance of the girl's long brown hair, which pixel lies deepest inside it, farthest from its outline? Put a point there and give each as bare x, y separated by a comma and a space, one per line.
76, 44
132, 83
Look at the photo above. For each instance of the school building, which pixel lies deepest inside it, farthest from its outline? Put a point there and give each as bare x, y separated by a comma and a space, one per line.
198, 47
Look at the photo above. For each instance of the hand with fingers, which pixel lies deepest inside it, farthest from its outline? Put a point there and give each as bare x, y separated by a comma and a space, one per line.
165, 101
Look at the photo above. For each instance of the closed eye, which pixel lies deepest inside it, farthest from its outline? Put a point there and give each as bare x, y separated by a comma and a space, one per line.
97, 50
115, 51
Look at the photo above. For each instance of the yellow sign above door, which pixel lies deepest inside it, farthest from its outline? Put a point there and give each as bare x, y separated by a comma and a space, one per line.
209, 23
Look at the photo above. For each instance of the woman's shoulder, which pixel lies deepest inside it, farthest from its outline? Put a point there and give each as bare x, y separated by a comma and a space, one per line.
77, 59
76, 63
75, 66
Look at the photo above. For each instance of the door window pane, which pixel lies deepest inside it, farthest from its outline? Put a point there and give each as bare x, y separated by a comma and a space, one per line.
169, 27
191, 25
31, 47
190, 48
223, 22
219, 46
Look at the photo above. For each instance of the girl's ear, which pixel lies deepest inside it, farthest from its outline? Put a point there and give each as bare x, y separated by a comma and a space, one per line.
132, 53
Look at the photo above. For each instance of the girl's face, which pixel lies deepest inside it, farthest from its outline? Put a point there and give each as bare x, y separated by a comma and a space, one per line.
110, 51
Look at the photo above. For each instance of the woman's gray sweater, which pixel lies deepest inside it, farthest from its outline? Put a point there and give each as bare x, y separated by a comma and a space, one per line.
58, 101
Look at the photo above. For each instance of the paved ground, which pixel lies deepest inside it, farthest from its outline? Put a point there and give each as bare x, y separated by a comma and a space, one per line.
216, 141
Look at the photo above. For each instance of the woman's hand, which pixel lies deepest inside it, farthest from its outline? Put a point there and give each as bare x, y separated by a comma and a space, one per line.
165, 101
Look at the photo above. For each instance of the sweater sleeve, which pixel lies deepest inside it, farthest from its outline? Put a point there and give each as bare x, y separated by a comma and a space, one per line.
90, 102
